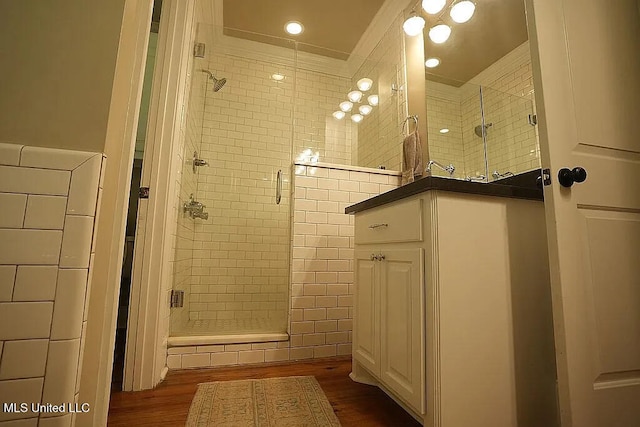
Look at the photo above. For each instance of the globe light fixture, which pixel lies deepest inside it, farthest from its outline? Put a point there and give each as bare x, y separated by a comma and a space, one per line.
365, 109
413, 25
346, 106
373, 100
357, 118
433, 6
277, 77
462, 11
440, 33
354, 96
364, 84
339, 114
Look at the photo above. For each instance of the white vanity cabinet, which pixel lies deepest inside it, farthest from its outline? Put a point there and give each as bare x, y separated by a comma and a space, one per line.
389, 338
452, 309
389, 312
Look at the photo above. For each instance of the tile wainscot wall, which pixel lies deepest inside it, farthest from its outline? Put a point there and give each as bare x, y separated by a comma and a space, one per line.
48, 206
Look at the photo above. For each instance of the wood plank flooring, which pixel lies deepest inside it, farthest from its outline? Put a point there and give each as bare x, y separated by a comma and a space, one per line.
168, 404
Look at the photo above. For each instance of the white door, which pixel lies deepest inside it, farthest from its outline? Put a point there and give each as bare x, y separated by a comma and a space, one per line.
586, 62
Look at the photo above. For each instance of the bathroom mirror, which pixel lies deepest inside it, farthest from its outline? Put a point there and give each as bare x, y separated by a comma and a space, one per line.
479, 92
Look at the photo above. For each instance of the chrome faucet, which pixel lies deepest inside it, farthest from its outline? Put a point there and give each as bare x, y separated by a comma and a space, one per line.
449, 168
195, 209
497, 175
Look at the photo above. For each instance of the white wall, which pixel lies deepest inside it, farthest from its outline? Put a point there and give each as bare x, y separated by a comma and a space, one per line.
57, 74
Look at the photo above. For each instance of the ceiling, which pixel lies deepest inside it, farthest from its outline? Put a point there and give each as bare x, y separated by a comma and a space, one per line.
334, 27
331, 27
497, 27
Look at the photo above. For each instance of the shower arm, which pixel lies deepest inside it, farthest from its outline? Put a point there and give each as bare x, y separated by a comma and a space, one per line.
449, 168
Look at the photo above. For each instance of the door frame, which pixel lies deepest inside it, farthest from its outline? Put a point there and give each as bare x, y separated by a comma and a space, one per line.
148, 324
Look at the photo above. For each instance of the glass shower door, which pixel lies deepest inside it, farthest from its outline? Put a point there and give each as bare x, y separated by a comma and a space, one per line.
512, 144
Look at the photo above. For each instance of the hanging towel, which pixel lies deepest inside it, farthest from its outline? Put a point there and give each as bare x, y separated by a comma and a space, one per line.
412, 153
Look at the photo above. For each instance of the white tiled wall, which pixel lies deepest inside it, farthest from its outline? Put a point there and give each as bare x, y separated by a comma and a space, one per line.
49, 201
512, 143
321, 272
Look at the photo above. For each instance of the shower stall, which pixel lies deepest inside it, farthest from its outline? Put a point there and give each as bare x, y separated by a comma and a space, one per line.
487, 134
249, 118
231, 270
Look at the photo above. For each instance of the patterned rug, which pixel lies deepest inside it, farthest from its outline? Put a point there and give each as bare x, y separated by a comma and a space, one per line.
281, 402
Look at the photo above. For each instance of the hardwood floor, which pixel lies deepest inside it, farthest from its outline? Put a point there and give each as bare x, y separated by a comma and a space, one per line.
168, 404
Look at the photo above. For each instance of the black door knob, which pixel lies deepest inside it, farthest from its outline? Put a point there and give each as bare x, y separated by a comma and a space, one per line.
567, 177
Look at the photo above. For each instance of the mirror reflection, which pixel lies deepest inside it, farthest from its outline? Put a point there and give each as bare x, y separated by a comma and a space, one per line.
479, 91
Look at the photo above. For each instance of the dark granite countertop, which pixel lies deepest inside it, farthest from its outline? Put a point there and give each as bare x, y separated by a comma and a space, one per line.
524, 187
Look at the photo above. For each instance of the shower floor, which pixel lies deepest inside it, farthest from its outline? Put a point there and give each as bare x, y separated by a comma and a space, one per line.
230, 327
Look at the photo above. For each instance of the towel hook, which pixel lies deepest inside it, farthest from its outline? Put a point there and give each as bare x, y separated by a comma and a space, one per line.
408, 127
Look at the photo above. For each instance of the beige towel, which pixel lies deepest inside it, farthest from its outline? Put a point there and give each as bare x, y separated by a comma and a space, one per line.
412, 153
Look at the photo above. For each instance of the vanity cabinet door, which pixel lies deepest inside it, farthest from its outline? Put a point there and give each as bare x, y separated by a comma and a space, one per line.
402, 324
366, 317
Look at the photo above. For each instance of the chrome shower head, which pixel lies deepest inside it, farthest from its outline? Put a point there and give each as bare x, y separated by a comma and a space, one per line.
217, 83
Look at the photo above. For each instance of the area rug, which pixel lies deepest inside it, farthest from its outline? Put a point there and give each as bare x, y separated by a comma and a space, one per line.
281, 402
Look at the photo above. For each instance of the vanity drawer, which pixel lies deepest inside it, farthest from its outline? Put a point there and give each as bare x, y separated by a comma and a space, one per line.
398, 222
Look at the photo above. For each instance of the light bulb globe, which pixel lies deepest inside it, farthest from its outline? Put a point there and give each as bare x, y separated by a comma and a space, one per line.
433, 6
462, 11
413, 25
364, 84
440, 33
354, 96
365, 109
346, 106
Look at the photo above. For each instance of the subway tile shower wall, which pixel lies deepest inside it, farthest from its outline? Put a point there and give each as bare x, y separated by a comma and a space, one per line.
321, 303
508, 100
49, 202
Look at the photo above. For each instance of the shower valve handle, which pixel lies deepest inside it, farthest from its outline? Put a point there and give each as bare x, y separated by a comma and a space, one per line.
566, 177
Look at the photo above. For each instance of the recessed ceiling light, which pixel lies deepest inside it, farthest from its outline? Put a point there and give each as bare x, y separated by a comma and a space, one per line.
444, 130
277, 77
294, 28
432, 62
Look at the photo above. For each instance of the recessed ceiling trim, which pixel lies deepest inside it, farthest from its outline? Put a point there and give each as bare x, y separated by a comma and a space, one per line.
269, 53
378, 27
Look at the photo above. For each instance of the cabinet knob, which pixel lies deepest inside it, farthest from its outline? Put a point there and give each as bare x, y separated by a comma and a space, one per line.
381, 257
374, 257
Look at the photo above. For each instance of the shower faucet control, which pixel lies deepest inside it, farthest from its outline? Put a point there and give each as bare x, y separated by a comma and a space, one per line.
194, 209
197, 162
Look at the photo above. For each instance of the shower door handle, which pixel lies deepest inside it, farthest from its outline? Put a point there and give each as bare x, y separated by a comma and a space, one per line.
279, 187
